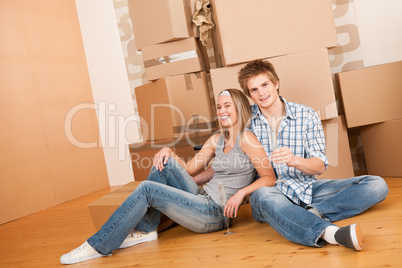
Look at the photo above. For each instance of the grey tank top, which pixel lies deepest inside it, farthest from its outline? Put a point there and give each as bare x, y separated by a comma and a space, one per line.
233, 169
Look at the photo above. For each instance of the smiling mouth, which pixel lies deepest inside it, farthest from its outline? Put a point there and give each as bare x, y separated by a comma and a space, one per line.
265, 98
223, 118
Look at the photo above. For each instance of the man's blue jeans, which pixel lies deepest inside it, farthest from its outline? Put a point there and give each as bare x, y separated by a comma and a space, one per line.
334, 199
171, 191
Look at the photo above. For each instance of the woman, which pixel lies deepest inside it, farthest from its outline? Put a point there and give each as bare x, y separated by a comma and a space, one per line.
170, 189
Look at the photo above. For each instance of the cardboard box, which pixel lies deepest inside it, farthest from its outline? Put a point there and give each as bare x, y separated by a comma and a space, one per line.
173, 58
104, 207
357, 151
382, 148
160, 21
249, 30
372, 95
304, 78
142, 154
338, 150
173, 105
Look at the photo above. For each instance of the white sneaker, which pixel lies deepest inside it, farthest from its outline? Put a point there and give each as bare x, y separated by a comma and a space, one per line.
82, 253
135, 238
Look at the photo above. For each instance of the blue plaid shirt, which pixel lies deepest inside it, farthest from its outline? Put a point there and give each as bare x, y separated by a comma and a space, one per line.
301, 131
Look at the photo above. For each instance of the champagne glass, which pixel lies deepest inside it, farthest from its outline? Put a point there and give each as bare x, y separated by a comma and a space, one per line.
222, 197
273, 141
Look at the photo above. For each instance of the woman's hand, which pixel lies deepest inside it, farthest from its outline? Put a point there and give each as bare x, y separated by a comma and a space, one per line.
161, 158
233, 204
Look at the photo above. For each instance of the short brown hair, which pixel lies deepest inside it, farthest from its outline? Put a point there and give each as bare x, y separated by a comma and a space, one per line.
254, 68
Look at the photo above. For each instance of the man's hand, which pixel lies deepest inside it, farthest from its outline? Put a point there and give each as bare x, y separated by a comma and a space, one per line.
311, 166
283, 155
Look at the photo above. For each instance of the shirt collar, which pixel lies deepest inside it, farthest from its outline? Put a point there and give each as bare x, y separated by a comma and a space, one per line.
257, 112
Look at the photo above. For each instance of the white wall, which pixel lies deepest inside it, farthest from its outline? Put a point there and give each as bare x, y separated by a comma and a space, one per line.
117, 122
380, 30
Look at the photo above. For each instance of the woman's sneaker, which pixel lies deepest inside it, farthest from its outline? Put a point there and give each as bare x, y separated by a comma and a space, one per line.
136, 237
350, 236
82, 253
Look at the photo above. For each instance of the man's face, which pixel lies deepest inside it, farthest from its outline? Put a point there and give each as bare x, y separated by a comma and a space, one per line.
263, 91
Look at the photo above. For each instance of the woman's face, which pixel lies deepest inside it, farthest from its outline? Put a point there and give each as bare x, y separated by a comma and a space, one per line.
226, 111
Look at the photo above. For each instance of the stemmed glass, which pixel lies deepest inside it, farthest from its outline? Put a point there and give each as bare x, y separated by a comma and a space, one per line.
222, 197
274, 146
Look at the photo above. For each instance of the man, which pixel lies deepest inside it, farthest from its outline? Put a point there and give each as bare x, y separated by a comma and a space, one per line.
300, 207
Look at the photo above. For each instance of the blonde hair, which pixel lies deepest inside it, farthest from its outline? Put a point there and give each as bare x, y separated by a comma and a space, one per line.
243, 110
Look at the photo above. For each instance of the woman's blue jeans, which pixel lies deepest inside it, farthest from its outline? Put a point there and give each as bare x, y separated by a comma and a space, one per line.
171, 191
334, 199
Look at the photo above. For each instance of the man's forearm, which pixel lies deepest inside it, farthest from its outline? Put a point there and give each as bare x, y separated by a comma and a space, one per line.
311, 166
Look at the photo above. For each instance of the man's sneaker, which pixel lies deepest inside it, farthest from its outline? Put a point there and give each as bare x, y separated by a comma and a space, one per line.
82, 253
135, 238
350, 236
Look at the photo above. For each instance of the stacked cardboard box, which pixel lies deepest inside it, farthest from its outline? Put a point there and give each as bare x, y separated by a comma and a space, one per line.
175, 104
165, 34
372, 95
160, 21
338, 150
382, 148
178, 99
248, 30
142, 153
174, 58
372, 102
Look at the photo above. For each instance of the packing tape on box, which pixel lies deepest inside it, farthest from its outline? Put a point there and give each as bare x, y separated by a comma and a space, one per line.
187, 79
171, 58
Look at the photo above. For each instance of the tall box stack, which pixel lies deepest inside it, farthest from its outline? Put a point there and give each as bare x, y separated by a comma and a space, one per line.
372, 102
177, 100
175, 108
294, 36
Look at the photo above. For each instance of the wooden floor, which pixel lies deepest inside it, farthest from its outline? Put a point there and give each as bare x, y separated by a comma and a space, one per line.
40, 239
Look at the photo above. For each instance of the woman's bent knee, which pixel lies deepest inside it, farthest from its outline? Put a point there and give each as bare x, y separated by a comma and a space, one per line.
144, 186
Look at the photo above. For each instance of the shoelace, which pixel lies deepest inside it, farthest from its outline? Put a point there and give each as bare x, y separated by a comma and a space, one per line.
134, 234
77, 250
